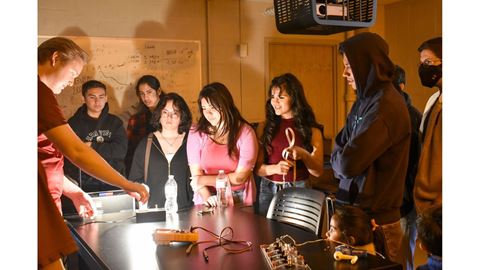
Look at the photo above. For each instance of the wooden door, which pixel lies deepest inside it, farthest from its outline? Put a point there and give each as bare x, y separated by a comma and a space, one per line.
314, 64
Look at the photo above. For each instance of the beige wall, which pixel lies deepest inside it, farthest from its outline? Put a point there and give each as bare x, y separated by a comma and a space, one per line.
407, 24
257, 29
222, 25
163, 19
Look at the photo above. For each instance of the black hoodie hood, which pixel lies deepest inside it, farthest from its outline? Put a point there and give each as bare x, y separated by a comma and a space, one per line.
367, 54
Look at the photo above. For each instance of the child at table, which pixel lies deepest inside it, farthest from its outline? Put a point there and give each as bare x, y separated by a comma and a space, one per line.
429, 229
352, 226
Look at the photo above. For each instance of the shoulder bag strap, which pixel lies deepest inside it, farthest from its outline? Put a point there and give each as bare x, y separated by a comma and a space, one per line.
147, 156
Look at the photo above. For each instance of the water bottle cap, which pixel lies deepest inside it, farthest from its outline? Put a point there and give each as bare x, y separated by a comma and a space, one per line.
170, 176
221, 171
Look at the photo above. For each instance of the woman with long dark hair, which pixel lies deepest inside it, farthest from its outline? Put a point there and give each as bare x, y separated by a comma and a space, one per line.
287, 111
222, 140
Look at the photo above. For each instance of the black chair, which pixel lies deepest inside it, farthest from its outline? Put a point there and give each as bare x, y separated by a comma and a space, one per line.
305, 208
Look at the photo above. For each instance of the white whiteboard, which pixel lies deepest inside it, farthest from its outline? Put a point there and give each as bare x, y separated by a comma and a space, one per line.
120, 62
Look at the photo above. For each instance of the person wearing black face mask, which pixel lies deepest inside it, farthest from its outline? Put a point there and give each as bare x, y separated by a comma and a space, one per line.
430, 74
428, 182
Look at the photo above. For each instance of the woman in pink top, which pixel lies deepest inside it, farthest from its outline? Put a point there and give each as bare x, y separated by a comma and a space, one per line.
222, 140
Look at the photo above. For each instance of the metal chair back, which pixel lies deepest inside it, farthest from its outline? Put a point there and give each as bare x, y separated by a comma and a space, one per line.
306, 208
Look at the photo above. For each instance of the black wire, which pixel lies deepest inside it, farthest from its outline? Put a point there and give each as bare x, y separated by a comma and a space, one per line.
220, 241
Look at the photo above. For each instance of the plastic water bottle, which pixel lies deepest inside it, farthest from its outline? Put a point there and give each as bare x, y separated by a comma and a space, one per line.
221, 184
171, 205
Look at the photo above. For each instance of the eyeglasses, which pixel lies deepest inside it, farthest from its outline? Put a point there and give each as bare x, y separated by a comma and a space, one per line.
430, 62
173, 115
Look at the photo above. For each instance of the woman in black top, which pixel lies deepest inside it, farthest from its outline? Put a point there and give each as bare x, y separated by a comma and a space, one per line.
168, 152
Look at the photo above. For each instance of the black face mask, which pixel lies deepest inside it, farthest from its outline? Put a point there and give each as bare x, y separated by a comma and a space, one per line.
429, 75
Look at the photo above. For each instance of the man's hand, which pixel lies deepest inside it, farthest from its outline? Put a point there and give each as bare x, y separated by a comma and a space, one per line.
81, 200
84, 204
138, 191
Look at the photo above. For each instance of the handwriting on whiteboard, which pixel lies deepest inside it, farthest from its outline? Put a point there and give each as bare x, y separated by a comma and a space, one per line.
120, 62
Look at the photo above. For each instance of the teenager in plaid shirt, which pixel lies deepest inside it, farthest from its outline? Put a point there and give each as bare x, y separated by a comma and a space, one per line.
148, 92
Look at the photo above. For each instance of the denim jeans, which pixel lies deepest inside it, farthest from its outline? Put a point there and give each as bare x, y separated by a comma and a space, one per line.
409, 228
268, 189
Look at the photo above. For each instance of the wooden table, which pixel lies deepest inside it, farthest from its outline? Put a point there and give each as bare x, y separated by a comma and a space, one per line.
130, 245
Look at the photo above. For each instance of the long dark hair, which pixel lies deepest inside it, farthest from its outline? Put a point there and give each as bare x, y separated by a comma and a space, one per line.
218, 96
302, 112
353, 221
179, 104
151, 81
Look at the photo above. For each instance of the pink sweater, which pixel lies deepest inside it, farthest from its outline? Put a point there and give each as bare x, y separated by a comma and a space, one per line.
212, 157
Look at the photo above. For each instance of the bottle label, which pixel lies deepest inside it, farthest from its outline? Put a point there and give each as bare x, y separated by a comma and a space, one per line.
170, 190
221, 184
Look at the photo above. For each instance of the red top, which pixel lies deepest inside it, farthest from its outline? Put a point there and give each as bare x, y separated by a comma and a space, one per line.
54, 239
50, 116
279, 143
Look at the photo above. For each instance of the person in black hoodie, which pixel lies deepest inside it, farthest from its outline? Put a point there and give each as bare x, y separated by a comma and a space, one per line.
370, 154
407, 211
100, 130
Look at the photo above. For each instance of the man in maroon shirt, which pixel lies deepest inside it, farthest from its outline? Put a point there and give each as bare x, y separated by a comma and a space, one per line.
60, 61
